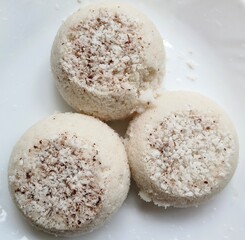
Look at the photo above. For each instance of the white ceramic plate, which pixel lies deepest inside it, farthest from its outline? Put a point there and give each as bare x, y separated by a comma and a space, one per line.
205, 43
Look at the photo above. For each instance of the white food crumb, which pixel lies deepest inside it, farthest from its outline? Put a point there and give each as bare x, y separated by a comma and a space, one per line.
167, 44
147, 97
144, 196
190, 65
3, 214
24, 238
192, 78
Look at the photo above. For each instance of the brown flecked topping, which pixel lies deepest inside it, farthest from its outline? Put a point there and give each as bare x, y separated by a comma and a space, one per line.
105, 51
56, 185
190, 154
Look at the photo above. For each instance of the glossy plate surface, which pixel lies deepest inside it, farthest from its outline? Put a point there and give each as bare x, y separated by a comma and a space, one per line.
205, 44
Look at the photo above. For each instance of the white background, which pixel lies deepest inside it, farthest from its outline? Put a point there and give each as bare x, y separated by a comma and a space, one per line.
205, 44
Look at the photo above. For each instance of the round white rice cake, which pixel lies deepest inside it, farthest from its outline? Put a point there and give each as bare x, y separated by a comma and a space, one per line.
108, 60
183, 151
68, 174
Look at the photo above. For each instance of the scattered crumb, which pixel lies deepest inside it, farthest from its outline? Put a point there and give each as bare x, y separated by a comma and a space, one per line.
192, 78
3, 214
190, 65
167, 44
24, 238
147, 97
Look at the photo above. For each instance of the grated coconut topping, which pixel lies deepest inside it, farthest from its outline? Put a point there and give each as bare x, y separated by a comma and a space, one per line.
189, 155
55, 184
106, 52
